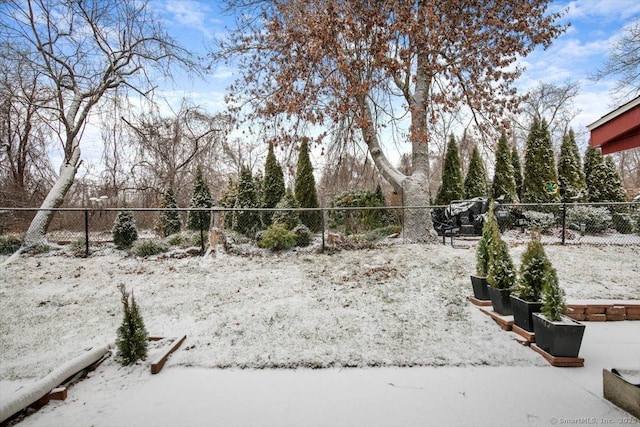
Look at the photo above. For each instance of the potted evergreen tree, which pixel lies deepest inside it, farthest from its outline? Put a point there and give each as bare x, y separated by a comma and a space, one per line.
526, 294
501, 274
556, 334
479, 281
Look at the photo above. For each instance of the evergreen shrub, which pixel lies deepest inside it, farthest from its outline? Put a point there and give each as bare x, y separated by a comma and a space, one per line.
535, 270
541, 221
277, 237
9, 244
124, 230
303, 235
150, 247
595, 219
132, 334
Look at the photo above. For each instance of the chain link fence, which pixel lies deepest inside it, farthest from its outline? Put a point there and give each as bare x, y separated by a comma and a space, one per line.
85, 229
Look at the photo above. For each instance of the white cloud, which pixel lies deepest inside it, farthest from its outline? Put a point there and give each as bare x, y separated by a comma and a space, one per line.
607, 10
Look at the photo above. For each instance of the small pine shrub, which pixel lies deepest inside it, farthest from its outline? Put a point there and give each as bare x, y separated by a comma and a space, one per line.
540, 221
303, 235
150, 247
177, 239
79, 248
132, 334
534, 271
277, 237
287, 215
595, 219
501, 273
124, 230
9, 244
553, 300
622, 222
489, 228
381, 233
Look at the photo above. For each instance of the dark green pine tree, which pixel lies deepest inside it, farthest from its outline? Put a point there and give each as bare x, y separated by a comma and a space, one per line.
201, 198
535, 270
246, 222
595, 175
451, 187
475, 183
273, 185
124, 230
305, 188
288, 216
517, 170
228, 200
573, 187
614, 190
132, 334
169, 221
540, 173
504, 183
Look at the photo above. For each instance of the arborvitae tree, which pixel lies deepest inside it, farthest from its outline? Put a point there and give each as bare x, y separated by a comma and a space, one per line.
595, 175
501, 273
614, 190
273, 185
124, 230
197, 220
169, 220
553, 299
571, 180
451, 187
540, 173
305, 188
489, 230
504, 184
228, 200
288, 216
132, 334
246, 222
535, 270
517, 170
475, 183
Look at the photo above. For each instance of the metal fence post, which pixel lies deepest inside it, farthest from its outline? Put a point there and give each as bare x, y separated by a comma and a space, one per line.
322, 228
86, 233
201, 222
564, 221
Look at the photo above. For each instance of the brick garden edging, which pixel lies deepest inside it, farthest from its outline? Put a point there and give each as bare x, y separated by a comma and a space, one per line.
603, 310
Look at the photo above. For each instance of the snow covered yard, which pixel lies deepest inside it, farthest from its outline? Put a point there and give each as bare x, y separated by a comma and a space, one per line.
400, 305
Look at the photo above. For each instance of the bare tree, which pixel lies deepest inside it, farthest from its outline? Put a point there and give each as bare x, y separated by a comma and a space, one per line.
165, 148
551, 102
624, 62
82, 51
374, 62
24, 167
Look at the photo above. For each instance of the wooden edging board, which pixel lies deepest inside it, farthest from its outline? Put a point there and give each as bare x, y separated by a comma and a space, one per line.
158, 363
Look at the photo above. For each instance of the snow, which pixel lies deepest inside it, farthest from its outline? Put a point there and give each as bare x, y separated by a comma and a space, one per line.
393, 306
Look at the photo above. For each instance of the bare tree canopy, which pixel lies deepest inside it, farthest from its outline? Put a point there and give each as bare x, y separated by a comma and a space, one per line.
552, 102
82, 51
624, 62
367, 63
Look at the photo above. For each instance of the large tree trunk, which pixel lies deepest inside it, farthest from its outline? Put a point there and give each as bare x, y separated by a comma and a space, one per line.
418, 226
36, 234
414, 189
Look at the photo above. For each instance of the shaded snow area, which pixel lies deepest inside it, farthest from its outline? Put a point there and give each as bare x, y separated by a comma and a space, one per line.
399, 305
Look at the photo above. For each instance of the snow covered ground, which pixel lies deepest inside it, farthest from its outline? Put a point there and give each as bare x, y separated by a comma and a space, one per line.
398, 305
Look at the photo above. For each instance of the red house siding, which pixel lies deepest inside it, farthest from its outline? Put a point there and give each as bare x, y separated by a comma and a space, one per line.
622, 132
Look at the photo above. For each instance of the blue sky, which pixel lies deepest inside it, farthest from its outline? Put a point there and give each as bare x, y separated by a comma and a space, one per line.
581, 50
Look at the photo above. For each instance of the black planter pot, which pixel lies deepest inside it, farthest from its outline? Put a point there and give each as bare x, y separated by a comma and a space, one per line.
559, 339
480, 290
522, 311
500, 300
